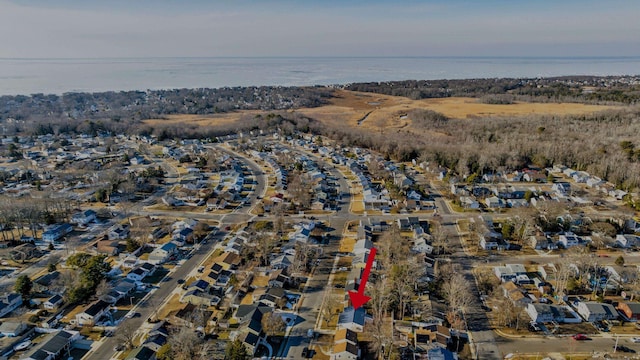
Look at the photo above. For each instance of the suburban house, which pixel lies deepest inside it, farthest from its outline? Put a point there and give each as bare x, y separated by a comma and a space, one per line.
362, 246
137, 274
121, 290
352, 319
631, 310
54, 346
92, 313
142, 353
545, 313
514, 293
56, 232
345, 345
494, 202
198, 297
118, 232
627, 240
161, 254
277, 278
184, 235
12, 328
53, 302
422, 246
541, 243
9, 302
569, 239
509, 272
593, 311
84, 217
106, 246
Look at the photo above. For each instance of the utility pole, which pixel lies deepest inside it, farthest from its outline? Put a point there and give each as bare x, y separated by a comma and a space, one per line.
615, 348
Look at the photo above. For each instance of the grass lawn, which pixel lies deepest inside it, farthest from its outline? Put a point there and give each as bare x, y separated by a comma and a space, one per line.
171, 305
157, 276
347, 243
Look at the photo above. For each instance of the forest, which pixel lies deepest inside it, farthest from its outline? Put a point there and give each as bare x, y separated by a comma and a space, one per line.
118, 111
582, 89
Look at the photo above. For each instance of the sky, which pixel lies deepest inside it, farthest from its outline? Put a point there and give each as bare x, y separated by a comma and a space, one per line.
254, 28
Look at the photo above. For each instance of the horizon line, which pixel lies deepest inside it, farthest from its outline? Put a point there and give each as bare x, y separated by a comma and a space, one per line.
334, 57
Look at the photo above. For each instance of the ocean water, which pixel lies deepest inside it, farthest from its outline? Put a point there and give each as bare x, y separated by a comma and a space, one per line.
29, 76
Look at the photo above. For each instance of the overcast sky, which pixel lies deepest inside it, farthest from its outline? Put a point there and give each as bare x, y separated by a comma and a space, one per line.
174, 28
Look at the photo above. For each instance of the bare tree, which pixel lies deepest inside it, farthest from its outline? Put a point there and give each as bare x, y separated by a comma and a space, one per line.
272, 324
329, 308
456, 290
392, 248
185, 344
125, 334
102, 289
440, 237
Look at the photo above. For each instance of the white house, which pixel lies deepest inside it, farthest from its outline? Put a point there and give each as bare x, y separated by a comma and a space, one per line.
84, 217
162, 254
92, 313
593, 311
569, 239
421, 246
494, 202
53, 302
12, 328
627, 240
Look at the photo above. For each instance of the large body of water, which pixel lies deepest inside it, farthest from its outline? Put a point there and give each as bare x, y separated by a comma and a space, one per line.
29, 76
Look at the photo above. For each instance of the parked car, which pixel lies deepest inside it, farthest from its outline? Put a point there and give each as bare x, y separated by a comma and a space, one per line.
623, 348
635, 340
580, 337
534, 327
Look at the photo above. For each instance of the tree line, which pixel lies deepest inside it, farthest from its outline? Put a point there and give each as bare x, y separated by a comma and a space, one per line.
610, 89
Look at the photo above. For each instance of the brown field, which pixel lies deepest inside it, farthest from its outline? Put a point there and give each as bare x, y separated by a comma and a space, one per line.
384, 111
203, 120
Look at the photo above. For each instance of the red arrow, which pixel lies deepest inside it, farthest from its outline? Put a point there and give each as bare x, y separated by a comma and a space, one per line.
359, 298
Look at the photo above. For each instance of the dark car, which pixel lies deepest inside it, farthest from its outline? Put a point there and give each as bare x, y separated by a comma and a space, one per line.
623, 348
180, 281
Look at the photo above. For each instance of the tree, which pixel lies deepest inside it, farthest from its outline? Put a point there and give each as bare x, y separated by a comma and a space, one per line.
102, 289
132, 245
236, 351
507, 230
125, 334
272, 324
620, 261
78, 260
457, 292
164, 353
23, 286
95, 270
329, 309
185, 344
51, 267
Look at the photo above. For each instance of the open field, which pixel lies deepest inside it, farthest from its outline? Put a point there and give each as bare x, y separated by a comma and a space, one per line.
376, 112
204, 120
382, 111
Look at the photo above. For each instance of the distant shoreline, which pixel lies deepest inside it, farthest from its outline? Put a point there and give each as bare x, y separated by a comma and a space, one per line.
93, 75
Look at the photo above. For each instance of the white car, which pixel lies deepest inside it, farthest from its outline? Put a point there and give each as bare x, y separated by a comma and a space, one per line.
635, 339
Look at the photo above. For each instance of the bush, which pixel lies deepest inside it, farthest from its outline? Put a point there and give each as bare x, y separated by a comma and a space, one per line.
34, 319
